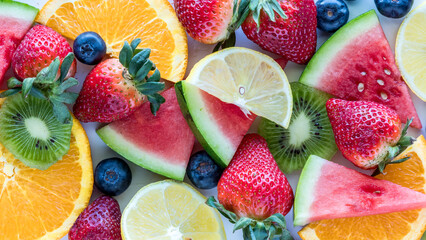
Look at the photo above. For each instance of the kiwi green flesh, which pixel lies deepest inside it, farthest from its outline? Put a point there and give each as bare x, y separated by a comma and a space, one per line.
30, 131
309, 132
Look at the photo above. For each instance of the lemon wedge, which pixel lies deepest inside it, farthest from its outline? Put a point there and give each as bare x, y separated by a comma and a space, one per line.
248, 79
410, 50
170, 210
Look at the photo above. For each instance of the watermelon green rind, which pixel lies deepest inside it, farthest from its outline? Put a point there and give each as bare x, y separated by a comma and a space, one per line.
305, 189
325, 54
128, 150
192, 106
17, 10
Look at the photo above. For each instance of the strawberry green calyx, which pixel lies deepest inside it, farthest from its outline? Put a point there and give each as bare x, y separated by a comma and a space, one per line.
137, 67
240, 12
400, 146
50, 86
269, 6
266, 229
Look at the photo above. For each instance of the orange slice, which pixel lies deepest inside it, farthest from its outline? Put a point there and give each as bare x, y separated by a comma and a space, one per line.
407, 225
153, 21
37, 204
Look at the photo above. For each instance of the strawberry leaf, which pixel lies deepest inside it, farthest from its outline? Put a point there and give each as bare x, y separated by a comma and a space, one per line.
70, 82
270, 7
134, 44
211, 201
150, 88
35, 92
13, 83
143, 71
9, 92
61, 111
155, 101
242, 223
27, 85
66, 65
125, 55
155, 77
138, 61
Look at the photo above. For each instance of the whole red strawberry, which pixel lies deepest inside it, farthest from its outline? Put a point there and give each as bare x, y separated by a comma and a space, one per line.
293, 37
368, 134
253, 187
210, 21
40, 46
116, 87
99, 221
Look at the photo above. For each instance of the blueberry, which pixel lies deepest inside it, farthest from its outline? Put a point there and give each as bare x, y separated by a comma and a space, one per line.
89, 48
113, 176
203, 172
331, 14
394, 8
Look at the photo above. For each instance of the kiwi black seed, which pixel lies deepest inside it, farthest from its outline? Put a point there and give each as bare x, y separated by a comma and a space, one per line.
309, 132
30, 131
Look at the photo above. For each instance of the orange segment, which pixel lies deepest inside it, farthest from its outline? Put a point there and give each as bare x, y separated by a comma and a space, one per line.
407, 225
153, 21
36, 204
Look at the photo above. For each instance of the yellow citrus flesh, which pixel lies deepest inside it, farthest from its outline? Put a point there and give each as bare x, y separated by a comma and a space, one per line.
170, 210
36, 204
407, 225
116, 21
410, 50
246, 78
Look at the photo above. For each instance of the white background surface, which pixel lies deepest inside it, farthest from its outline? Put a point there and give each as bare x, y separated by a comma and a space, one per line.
141, 177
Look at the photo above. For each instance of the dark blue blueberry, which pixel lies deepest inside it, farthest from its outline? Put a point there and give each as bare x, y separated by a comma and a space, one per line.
113, 176
203, 172
394, 8
331, 14
89, 48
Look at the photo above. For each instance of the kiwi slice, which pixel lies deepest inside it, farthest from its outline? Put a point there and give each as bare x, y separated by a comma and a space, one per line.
309, 132
30, 131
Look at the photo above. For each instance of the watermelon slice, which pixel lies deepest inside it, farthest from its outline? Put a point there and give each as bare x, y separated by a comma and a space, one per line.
327, 190
357, 63
218, 126
15, 20
161, 143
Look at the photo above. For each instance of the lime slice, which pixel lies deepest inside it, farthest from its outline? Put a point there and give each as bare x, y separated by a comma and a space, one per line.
248, 79
410, 50
170, 210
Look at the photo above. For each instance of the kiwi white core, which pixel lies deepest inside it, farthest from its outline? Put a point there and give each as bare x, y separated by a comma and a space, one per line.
299, 130
37, 128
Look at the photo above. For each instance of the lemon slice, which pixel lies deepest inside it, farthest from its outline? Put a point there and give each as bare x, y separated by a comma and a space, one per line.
410, 50
248, 79
170, 210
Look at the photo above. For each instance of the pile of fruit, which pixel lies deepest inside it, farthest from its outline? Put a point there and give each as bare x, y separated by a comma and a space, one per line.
352, 97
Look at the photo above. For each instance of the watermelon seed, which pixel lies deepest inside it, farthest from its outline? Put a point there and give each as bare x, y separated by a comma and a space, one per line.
384, 95
387, 71
361, 87
363, 73
380, 82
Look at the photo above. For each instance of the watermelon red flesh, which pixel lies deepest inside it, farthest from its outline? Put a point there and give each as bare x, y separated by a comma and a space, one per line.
363, 68
15, 20
218, 126
161, 143
327, 190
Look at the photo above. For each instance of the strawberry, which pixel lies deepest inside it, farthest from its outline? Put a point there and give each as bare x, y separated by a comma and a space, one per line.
211, 21
253, 192
40, 46
368, 134
291, 34
116, 87
99, 221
